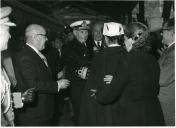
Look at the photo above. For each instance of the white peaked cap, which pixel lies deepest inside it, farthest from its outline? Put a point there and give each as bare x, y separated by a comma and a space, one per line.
113, 29
4, 19
82, 24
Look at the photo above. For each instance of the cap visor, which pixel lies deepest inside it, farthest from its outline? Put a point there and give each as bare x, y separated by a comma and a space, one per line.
9, 24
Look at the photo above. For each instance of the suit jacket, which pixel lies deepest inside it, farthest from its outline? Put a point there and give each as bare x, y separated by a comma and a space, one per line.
167, 84
94, 47
135, 88
31, 72
167, 74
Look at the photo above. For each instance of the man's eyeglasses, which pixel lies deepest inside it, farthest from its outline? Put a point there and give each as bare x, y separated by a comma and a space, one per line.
43, 35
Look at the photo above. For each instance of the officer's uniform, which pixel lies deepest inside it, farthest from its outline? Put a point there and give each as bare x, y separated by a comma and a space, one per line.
76, 56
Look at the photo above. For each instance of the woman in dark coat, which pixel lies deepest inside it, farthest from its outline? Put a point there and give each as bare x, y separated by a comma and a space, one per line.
137, 93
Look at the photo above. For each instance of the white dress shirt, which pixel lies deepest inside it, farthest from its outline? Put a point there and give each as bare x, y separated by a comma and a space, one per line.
96, 42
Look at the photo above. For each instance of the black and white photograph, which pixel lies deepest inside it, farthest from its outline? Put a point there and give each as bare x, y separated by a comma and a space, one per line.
87, 63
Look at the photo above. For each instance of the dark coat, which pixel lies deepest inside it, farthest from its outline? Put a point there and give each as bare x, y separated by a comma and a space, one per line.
105, 62
74, 56
135, 90
31, 72
131, 98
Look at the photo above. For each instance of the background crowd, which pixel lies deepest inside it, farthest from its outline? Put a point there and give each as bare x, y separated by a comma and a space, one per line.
94, 73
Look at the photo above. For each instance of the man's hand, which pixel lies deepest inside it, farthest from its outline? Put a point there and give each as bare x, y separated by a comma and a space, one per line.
93, 92
108, 78
160, 51
60, 75
63, 83
28, 95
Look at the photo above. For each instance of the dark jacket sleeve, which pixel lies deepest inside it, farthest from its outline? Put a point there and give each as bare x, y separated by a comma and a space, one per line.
28, 72
110, 92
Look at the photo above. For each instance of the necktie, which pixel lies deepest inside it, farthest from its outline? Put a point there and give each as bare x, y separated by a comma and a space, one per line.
60, 52
98, 44
84, 44
43, 58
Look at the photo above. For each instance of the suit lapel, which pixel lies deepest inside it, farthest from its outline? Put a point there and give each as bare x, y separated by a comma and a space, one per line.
165, 53
37, 58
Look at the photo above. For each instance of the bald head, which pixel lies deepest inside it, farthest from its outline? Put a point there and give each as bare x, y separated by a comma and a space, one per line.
36, 36
34, 29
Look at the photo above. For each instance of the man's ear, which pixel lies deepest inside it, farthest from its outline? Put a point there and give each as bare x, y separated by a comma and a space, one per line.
106, 39
74, 32
35, 37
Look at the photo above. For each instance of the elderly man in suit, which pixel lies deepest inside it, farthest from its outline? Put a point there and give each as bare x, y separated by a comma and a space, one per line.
97, 36
33, 71
167, 73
